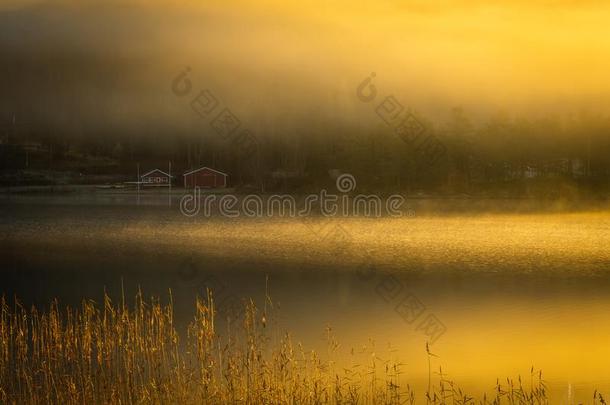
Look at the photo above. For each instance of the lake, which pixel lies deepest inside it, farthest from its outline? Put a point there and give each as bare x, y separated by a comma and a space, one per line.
496, 291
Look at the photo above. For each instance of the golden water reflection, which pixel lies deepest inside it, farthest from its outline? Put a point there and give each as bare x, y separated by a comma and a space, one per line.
514, 291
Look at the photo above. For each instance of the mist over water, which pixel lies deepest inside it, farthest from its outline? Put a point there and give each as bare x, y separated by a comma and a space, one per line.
513, 288
89, 69
507, 248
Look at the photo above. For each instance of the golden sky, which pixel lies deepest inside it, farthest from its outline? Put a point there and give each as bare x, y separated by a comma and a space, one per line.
518, 56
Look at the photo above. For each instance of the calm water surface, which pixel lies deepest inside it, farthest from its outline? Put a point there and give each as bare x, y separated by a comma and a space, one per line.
506, 291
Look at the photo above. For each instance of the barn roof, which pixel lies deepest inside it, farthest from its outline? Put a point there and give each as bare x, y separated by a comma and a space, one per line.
156, 170
202, 168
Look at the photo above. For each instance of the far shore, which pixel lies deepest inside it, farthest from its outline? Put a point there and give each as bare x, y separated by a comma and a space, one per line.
130, 189
102, 189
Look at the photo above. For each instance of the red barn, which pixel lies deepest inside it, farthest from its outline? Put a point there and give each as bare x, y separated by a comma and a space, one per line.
205, 177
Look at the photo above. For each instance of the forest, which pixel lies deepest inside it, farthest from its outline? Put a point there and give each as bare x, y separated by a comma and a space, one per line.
501, 154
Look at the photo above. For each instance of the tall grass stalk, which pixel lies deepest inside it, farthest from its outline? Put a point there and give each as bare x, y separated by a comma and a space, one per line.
114, 354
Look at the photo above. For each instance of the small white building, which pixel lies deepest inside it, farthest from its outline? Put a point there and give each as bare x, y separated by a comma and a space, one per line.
156, 177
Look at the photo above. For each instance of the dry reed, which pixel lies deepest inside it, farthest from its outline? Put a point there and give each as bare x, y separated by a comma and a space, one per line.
111, 354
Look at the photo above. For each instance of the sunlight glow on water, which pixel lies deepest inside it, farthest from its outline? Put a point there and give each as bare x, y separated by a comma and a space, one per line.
567, 243
552, 313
